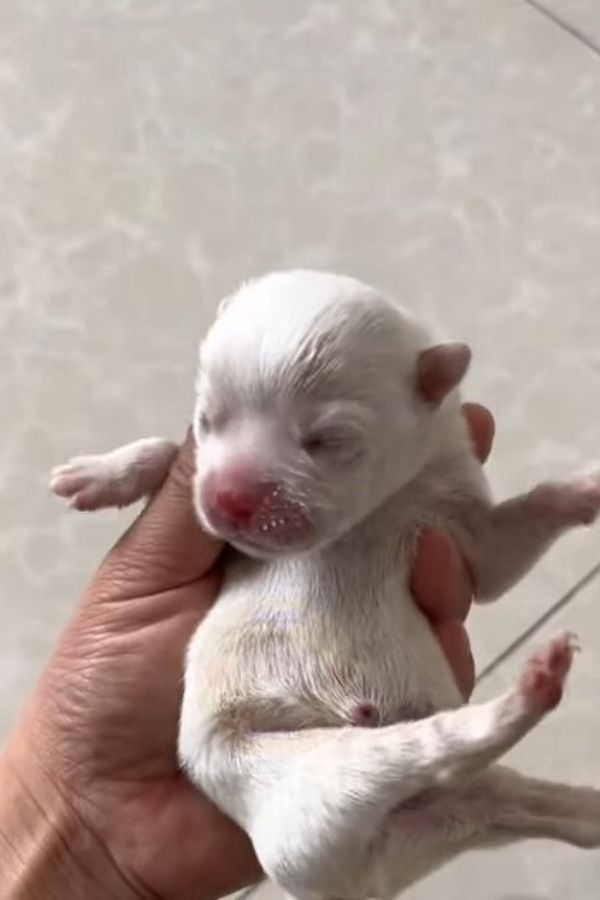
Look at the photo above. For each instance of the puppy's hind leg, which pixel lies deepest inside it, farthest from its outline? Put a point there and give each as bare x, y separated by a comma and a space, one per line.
316, 802
529, 807
117, 478
495, 808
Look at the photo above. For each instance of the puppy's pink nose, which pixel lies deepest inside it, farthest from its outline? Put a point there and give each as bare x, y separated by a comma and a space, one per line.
236, 506
234, 495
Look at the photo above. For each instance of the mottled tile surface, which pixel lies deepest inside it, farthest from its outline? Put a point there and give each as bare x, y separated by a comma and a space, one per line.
154, 153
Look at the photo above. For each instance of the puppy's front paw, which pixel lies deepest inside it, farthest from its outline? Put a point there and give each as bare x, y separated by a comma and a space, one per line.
88, 483
575, 502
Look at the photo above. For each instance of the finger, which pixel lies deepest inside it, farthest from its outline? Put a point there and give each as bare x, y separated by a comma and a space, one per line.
441, 582
482, 428
165, 547
455, 644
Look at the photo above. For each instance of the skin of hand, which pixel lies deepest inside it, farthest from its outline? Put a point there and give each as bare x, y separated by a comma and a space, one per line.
95, 804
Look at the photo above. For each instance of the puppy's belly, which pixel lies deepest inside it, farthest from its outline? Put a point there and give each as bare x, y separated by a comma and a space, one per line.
302, 671
381, 676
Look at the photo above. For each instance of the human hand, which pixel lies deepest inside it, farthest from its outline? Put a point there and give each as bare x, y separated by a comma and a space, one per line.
98, 737
95, 747
441, 581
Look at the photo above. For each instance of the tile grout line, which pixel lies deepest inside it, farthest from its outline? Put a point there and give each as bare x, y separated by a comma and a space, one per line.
564, 25
546, 617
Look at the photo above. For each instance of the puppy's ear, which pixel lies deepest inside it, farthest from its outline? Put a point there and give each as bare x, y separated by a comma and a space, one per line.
440, 369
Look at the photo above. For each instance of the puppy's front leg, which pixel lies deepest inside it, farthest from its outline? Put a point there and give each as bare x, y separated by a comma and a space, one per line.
508, 539
117, 478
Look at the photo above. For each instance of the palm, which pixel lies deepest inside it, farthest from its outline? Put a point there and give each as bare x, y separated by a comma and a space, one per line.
114, 709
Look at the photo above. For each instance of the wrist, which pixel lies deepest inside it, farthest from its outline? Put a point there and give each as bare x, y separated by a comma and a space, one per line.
46, 851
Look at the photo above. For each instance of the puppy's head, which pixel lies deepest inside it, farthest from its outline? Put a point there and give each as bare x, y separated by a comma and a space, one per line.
317, 399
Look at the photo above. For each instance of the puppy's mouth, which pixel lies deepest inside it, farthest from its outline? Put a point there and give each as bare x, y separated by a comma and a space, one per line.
271, 530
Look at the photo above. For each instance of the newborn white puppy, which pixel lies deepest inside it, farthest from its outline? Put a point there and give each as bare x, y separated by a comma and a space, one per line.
319, 711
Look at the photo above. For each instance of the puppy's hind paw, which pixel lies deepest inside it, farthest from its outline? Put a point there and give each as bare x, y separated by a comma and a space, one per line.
542, 682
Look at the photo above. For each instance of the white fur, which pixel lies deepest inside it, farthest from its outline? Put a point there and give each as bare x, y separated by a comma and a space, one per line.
315, 623
117, 478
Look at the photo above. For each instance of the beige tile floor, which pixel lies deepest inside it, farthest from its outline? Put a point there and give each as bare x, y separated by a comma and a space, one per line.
154, 152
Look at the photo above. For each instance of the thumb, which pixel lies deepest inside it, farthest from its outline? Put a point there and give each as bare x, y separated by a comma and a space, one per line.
165, 548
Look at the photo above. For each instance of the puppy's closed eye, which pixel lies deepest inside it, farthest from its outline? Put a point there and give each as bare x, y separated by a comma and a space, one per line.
204, 423
338, 433
341, 445
212, 420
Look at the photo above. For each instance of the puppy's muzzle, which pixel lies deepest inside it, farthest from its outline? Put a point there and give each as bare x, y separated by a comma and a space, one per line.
258, 510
